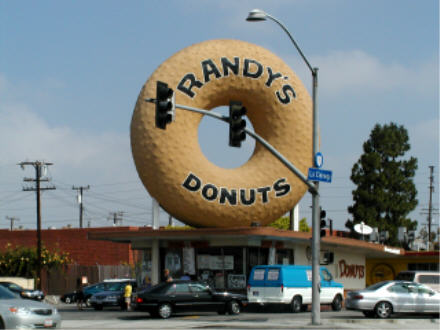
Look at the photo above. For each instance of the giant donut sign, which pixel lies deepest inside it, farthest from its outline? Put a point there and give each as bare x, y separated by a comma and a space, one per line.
170, 162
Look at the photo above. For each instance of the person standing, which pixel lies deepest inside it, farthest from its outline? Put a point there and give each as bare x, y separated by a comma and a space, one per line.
79, 294
127, 295
166, 275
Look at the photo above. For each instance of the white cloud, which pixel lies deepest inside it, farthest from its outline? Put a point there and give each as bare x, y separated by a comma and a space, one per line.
28, 136
355, 71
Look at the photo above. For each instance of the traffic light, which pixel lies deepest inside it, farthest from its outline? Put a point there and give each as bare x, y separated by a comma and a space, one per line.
237, 124
165, 105
322, 223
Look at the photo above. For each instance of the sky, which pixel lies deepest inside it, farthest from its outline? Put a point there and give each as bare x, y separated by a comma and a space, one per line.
71, 72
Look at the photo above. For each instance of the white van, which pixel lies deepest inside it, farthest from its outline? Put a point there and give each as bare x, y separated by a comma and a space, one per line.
429, 278
292, 285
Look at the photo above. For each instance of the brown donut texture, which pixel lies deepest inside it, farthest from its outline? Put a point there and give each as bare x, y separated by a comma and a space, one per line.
170, 162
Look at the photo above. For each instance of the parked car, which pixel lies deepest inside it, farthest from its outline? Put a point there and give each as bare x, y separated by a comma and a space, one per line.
22, 292
292, 285
112, 296
429, 278
385, 298
69, 297
167, 298
90, 290
17, 313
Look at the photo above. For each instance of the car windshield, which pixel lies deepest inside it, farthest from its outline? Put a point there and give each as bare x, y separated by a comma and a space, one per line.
6, 294
376, 286
15, 286
405, 277
159, 288
114, 286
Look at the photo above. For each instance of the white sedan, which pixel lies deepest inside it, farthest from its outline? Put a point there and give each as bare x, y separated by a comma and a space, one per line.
385, 298
18, 313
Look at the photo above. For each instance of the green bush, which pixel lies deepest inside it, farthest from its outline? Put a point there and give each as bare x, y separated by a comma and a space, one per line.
22, 261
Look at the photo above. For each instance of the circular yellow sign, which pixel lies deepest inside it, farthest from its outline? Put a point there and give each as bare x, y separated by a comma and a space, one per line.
170, 162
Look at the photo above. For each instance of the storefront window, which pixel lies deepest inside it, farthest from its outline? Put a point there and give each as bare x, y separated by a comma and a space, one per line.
222, 268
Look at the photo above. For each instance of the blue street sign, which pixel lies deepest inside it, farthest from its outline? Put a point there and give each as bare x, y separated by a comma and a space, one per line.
316, 174
319, 160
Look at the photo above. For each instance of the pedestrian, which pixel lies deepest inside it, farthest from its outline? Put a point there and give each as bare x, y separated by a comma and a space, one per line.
166, 275
147, 281
79, 295
127, 296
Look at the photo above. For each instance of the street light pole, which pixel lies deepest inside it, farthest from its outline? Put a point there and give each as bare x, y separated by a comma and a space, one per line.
259, 15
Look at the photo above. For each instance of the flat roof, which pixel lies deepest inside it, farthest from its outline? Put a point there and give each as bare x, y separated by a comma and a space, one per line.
137, 234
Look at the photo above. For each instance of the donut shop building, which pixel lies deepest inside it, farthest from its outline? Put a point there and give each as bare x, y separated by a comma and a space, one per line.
224, 256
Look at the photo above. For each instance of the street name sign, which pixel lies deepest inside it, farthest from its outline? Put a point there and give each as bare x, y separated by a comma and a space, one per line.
316, 174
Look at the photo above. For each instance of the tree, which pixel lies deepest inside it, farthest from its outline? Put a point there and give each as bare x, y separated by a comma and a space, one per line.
281, 223
385, 192
22, 261
303, 225
284, 223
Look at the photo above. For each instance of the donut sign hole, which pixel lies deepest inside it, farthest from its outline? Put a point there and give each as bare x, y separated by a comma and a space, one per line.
214, 141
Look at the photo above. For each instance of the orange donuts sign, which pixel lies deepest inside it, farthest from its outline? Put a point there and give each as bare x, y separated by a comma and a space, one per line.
170, 162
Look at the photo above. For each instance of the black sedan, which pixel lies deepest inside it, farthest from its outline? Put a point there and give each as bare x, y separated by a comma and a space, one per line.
184, 296
22, 292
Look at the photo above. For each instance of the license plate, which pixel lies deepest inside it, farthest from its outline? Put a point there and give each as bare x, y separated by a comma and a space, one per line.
48, 323
255, 293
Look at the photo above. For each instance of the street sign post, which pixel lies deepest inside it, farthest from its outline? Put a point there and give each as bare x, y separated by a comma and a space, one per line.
316, 174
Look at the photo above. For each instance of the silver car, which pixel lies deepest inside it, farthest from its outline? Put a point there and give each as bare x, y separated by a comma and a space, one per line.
385, 298
23, 313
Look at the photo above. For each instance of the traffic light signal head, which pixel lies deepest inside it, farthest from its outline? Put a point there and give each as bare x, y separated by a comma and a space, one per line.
165, 105
322, 223
237, 123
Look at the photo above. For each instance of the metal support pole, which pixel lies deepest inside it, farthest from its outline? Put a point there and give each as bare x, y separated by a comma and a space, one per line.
259, 15
316, 237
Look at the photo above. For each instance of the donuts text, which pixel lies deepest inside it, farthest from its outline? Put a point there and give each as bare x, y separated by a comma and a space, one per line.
233, 196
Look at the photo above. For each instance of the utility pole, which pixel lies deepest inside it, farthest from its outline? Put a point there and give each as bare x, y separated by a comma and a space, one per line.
40, 172
431, 190
80, 199
12, 219
116, 217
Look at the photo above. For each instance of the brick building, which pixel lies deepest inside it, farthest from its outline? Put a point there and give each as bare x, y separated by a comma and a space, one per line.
74, 241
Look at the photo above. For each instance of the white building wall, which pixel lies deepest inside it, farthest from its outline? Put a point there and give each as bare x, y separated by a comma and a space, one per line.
347, 268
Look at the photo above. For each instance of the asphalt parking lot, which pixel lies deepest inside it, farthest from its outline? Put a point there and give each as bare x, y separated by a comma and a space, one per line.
114, 318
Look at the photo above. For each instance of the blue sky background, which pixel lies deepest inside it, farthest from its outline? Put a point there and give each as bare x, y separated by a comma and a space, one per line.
71, 71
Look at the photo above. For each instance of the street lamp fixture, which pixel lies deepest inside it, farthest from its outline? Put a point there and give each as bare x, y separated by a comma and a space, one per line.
257, 15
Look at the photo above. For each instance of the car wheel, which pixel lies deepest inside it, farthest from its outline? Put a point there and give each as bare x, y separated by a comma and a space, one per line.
2, 325
67, 300
337, 303
164, 311
368, 313
234, 307
87, 302
296, 304
383, 309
